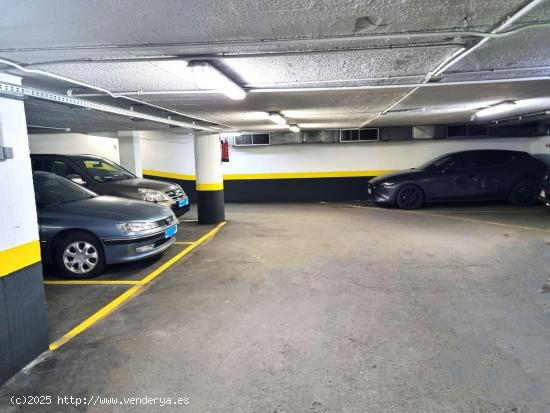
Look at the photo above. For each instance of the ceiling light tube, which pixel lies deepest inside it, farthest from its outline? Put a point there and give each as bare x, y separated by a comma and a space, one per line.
294, 128
277, 118
495, 110
208, 77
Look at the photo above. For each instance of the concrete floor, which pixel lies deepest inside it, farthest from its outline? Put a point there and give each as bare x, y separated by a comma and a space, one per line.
330, 308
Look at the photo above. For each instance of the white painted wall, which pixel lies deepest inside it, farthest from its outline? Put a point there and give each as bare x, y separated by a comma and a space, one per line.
75, 144
540, 148
168, 152
174, 153
354, 157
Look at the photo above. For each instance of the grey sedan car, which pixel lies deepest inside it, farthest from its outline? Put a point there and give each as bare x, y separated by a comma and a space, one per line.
81, 232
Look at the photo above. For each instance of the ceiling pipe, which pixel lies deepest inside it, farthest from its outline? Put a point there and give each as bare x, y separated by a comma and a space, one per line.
110, 93
243, 55
462, 53
303, 40
496, 32
48, 128
323, 88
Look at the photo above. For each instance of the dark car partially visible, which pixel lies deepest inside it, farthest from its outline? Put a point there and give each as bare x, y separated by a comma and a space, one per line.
81, 232
105, 177
477, 175
544, 194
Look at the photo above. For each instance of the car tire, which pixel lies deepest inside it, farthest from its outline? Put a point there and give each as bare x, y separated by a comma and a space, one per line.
524, 193
410, 197
79, 255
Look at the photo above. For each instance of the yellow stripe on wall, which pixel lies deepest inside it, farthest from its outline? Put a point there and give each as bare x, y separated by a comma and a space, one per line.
282, 175
210, 187
172, 175
298, 175
19, 257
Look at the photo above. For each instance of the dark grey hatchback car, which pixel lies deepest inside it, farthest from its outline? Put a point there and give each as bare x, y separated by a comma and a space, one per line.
105, 177
477, 175
81, 232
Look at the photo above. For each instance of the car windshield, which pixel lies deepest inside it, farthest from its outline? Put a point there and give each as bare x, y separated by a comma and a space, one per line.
103, 170
51, 189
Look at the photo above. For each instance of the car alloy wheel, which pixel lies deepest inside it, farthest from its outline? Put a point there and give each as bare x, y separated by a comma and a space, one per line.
80, 257
410, 197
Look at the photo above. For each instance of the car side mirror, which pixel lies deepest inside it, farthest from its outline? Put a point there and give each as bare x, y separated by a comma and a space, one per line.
77, 179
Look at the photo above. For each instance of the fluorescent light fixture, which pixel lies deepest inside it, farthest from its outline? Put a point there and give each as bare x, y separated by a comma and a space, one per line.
495, 110
294, 128
230, 134
277, 118
208, 77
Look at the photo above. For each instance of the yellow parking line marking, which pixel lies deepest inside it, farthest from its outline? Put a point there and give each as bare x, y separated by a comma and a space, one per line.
132, 292
499, 224
504, 211
184, 242
479, 221
91, 282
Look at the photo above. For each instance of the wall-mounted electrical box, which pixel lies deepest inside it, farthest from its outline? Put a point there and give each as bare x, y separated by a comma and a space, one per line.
6, 153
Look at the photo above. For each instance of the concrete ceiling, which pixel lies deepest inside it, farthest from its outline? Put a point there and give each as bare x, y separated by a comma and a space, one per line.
289, 45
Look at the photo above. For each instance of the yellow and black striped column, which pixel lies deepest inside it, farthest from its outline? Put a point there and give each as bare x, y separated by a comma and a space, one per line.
209, 175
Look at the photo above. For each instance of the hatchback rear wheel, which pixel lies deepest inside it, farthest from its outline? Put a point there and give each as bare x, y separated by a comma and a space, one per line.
80, 255
525, 193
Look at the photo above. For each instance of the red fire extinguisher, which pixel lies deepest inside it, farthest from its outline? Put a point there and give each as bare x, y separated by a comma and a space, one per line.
225, 151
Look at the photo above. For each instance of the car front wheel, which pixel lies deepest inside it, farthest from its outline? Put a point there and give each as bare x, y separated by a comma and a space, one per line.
80, 255
410, 197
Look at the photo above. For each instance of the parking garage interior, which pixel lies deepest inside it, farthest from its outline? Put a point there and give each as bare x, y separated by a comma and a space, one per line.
258, 141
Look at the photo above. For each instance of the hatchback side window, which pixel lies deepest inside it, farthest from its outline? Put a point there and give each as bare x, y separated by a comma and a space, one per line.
465, 161
493, 158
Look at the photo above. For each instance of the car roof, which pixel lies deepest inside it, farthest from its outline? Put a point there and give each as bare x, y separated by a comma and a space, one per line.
58, 155
485, 150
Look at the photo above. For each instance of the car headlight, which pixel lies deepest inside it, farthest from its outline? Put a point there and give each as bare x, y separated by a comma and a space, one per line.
136, 226
152, 195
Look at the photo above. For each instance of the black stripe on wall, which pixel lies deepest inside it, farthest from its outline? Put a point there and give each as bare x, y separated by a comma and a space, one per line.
23, 321
286, 190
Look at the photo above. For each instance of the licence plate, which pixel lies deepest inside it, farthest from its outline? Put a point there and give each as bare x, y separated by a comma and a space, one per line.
183, 202
170, 231
543, 194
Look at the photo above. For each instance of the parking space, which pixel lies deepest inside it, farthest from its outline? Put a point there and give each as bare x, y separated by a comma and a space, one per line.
72, 302
535, 219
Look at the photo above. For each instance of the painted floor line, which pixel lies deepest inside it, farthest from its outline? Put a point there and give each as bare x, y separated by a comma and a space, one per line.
500, 224
131, 293
92, 282
479, 221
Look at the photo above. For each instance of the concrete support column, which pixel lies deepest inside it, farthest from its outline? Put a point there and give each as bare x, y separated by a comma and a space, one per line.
209, 175
129, 147
23, 323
